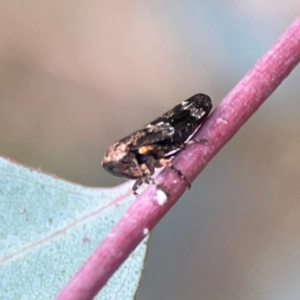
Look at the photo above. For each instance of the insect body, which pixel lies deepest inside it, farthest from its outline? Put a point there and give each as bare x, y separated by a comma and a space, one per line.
137, 155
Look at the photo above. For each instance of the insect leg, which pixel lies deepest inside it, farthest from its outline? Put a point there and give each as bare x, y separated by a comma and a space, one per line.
165, 162
148, 179
145, 179
160, 151
136, 185
146, 170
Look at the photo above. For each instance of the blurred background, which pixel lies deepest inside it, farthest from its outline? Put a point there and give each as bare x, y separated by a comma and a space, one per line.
75, 76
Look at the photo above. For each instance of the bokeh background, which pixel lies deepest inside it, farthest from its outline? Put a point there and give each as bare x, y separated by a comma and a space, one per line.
75, 76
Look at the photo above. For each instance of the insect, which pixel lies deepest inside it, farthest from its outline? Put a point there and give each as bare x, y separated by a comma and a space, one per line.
153, 146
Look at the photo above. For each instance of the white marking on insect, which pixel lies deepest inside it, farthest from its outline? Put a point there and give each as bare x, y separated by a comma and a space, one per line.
162, 124
186, 104
195, 113
170, 130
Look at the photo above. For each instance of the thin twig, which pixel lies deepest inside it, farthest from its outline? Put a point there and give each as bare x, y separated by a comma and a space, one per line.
236, 108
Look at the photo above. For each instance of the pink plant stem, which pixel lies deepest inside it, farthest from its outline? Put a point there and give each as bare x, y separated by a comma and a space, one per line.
225, 121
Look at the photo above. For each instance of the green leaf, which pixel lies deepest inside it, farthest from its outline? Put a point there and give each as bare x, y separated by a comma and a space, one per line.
48, 229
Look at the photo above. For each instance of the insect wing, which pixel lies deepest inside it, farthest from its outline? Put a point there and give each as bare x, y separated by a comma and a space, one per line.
173, 127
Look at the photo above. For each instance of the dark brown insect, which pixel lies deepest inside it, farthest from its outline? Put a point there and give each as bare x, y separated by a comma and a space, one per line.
137, 155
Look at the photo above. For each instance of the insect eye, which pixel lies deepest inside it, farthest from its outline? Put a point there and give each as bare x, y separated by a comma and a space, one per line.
126, 159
